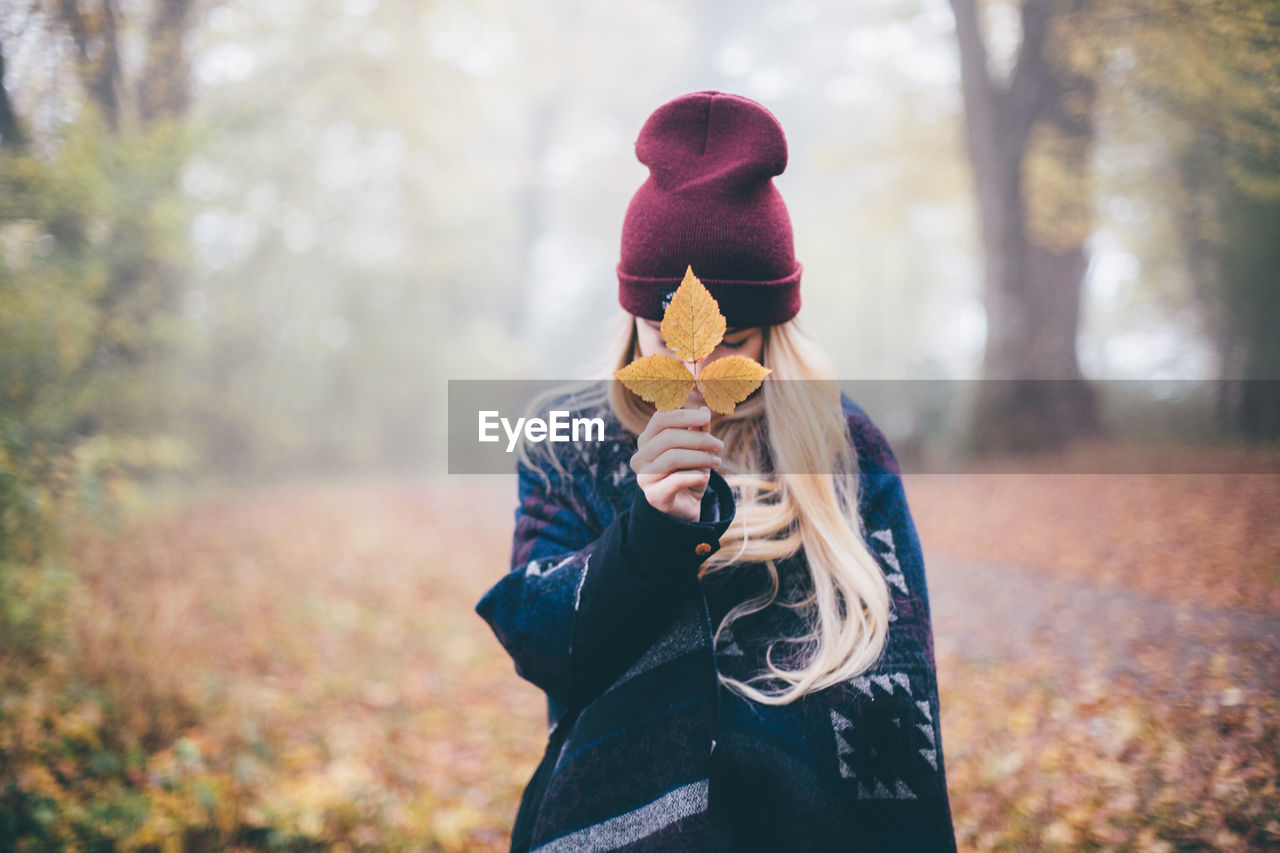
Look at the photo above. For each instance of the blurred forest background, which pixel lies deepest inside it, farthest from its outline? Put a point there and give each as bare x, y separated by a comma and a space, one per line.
244, 245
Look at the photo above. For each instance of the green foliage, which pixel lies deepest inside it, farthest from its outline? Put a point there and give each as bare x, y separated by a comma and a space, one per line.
91, 242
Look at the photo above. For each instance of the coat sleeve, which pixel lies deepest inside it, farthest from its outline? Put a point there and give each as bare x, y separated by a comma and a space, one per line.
577, 606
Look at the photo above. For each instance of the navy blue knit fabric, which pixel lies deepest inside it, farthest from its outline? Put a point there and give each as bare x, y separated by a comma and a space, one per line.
603, 610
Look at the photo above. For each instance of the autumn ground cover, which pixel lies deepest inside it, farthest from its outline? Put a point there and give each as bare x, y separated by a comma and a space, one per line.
1109, 657
301, 666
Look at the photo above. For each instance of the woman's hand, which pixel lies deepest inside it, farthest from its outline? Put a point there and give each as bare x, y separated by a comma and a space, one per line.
673, 461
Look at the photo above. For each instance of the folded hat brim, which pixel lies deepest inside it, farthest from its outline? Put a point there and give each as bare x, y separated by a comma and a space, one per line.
744, 304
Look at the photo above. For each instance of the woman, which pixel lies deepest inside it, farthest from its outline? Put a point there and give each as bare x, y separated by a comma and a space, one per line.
728, 615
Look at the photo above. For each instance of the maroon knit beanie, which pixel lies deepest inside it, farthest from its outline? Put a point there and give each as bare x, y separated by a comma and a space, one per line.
710, 203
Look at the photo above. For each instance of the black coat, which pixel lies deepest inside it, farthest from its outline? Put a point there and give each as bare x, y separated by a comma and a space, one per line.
603, 610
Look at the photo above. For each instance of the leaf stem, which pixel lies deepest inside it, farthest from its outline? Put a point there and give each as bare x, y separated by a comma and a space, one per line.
696, 388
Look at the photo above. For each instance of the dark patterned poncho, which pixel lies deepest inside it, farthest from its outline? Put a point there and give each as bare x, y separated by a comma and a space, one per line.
603, 610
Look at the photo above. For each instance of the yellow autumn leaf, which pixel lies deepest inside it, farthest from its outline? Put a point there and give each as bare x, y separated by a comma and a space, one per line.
659, 379
692, 325
726, 382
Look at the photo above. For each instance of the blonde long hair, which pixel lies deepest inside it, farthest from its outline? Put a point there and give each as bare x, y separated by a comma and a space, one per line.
813, 508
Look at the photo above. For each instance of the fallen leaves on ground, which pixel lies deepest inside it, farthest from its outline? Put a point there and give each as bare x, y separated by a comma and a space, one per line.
303, 666
289, 667
1162, 751
1208, 538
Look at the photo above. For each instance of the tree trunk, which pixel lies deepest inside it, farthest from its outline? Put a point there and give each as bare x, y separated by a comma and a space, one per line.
1033, 395
11, 135
164, 88
97, 55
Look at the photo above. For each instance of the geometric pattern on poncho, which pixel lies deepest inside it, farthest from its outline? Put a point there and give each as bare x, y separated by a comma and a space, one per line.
882, 546
893, 747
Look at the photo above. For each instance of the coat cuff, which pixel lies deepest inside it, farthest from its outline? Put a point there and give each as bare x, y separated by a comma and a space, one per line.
662, 544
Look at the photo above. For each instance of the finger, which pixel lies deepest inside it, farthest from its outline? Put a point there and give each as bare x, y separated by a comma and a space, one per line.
649, 449
662, 495
681, 418
646, 479
680, 459
706, 427
702, 427
677, 459
677, 419
672, 438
